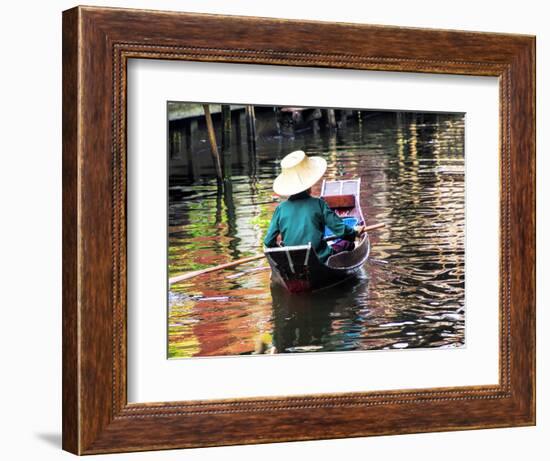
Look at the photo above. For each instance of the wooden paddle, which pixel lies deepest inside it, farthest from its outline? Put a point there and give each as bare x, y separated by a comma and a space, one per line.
188, 275
367, 228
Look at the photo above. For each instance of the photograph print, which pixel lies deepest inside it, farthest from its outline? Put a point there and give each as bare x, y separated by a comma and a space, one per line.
313, 229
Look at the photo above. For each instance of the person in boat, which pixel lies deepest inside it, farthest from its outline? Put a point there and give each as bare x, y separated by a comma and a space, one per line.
302, 218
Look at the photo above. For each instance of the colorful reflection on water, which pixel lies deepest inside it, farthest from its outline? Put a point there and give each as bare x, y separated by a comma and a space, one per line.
411, 292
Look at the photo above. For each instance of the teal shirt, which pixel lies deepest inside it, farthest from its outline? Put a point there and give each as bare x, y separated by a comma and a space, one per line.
302, 219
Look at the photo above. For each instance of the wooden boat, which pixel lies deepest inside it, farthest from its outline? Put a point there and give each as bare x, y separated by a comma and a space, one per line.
298, 269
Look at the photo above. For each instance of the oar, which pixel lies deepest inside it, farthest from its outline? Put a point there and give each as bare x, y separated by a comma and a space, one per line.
367, 228
188, 275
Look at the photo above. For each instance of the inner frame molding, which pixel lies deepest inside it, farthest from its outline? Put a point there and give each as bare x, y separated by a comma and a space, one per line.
140, 342
96, 415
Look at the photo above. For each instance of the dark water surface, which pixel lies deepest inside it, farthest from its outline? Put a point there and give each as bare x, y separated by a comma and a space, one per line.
411, 293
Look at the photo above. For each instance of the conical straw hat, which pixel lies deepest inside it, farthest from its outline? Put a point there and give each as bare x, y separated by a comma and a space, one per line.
299, 173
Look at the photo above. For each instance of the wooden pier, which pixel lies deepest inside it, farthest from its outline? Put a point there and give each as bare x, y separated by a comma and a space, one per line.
235, 130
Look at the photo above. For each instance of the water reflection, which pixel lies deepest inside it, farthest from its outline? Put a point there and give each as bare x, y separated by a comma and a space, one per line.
412, 291
324, 320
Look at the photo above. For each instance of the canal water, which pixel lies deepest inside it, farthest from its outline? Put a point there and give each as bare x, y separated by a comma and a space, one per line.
411, 292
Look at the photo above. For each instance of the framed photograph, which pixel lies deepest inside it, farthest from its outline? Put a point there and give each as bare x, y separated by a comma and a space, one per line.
282, 230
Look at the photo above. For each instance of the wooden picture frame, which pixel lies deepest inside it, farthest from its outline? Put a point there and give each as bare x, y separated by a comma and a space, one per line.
97, 43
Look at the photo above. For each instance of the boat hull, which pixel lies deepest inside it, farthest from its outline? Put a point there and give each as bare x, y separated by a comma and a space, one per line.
299, 270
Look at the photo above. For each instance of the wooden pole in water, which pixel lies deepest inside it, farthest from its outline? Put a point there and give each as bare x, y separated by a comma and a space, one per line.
226, 141
191, 135
251, 125
231, 216
253, 112
331, 119
251, 140
212, 139
226, 124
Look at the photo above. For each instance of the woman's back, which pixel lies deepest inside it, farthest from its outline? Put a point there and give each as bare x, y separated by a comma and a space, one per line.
301, 220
